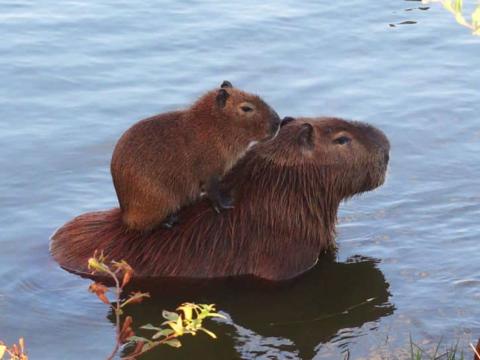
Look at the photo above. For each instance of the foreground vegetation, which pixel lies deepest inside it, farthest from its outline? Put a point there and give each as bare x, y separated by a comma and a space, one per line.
15, 351
187, 320
451, 353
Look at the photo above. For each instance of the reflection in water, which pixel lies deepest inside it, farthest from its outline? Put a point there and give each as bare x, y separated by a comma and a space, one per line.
456, 8
290, 321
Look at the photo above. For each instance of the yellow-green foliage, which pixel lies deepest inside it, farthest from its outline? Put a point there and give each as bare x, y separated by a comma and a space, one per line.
456, 8
15, 352
187, 320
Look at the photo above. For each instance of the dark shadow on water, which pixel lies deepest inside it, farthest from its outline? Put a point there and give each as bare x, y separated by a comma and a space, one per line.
287, 320
410, 22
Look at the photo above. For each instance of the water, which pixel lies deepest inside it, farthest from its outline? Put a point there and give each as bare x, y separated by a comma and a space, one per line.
76, 74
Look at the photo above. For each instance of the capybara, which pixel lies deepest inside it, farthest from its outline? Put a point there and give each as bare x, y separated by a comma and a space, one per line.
286, 192
166, 161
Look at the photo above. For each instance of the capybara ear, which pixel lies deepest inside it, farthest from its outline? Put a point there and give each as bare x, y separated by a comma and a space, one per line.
222, 97
286, 120
305, 136
226, 84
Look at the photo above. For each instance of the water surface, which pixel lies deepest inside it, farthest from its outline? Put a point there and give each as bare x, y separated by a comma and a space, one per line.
76, 74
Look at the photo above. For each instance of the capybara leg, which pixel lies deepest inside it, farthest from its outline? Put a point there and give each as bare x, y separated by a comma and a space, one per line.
170, 221
219, 200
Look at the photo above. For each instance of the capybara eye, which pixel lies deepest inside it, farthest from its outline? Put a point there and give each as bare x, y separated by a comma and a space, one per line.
246, 108
342, 140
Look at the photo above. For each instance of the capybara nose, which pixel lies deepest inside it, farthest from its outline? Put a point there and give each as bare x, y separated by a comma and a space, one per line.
382, 140
376, 136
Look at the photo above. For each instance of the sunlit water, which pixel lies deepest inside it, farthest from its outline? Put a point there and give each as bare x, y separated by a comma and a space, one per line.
75, 74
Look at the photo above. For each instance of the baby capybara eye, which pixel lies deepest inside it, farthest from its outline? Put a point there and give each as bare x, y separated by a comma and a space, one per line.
342, 140
246, 108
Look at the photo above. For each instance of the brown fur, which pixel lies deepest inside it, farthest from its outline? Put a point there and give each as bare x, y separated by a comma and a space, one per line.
164, 162
286, 192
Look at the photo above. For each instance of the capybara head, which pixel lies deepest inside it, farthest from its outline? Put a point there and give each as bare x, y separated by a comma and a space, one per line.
348, 157
250, 116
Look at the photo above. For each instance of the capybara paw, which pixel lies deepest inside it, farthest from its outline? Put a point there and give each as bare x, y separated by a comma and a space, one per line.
226, 203
170, 221
223, 204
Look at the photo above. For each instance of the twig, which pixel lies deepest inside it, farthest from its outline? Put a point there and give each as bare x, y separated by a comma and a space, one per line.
475, 350
116, 309
328, 316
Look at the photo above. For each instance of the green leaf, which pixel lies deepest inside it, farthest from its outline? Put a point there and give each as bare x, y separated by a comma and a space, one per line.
97, 265
458, 6
476, 19
150, 327
177, 326
216, 315
208, 332
163, 332
194, 324
187, 310
147, 346
447, 4
173, 343
136, 339
169, 315
461, 20
3, 348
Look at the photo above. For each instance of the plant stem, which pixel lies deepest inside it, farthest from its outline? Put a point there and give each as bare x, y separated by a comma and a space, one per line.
117, 310
154, 345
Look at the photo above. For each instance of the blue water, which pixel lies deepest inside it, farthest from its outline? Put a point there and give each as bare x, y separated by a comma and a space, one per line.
76, 74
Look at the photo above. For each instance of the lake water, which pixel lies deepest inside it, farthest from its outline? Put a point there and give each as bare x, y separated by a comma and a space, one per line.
76, 74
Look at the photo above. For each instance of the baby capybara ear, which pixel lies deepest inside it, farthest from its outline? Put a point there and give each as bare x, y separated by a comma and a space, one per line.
222, 96
226, 84
305, 136
286, 120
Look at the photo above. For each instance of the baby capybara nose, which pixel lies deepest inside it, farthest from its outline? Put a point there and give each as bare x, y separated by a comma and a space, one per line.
275, 122
286, 120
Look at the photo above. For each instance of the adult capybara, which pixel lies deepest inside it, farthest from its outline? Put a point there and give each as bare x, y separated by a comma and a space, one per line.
286, 194
164, 162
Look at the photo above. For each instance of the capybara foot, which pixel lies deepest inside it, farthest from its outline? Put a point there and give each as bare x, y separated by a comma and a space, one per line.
219, 200
170, 221
222, 203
